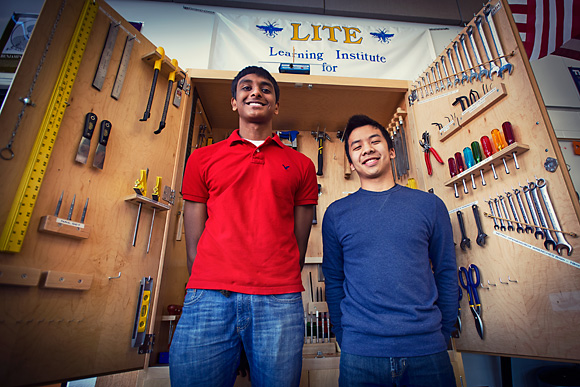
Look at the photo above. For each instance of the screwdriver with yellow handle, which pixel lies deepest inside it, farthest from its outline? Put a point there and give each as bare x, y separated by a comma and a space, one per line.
157, 68
154, 196
141, 189
500, 143
171, 79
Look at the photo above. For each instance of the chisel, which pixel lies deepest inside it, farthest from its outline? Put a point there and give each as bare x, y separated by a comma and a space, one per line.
157, 68
58, 205
85, 144
141, 189
170, 79
72, 206
84, 211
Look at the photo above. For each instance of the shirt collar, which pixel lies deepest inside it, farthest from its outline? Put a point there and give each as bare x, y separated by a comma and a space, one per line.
235, 138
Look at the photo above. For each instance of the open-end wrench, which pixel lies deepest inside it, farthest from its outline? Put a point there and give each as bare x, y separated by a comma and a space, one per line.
457, 80
440, 77
420, 88
480, 234
429, 82
449, 83
562, 243
483, 71
519, 227
425, 86
510, 226
539, 232
435, 80
528, 228
464, 76
472, 72
496, 202
503, 63
465, 241
486, 49
490, 202
543, 222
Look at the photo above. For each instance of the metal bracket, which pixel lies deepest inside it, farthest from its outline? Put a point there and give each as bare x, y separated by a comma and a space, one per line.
147, 346
168, 195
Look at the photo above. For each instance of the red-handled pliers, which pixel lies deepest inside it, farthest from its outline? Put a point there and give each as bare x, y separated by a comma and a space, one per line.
427, 148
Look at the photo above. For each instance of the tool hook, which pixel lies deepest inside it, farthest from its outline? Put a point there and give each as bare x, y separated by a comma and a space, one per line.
119, 276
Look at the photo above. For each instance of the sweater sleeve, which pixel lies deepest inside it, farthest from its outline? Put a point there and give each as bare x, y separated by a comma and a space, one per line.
442, 255
333, 269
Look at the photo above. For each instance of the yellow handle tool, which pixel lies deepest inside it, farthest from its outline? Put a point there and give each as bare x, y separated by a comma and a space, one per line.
155, 197
156, 68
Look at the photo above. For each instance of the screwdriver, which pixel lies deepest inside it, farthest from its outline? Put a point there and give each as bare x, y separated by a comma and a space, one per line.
477, 156
460, 168
469, 162
500, 143
453, 172
509, 137
488, 151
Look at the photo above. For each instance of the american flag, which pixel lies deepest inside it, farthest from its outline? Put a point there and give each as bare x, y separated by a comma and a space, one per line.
548, 27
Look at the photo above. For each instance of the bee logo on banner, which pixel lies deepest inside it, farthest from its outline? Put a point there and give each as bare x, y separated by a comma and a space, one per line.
327, 45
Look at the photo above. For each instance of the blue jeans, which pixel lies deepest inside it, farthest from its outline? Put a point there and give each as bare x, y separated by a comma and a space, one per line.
429, 371
206, 346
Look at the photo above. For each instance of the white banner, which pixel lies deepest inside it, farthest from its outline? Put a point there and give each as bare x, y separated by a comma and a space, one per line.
330, 45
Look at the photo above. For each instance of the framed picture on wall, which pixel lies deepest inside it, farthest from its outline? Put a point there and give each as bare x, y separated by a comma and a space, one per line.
14, 40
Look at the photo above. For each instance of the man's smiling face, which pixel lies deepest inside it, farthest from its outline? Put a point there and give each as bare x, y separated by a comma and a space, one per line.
255, 99
370, 153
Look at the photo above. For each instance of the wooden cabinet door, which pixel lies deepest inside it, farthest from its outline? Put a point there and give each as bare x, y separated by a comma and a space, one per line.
68, 304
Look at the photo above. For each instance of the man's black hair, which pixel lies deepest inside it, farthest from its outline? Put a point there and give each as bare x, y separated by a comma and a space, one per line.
359, 120
262, 72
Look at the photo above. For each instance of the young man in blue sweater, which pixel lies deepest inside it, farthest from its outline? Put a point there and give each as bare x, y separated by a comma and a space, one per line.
391, 275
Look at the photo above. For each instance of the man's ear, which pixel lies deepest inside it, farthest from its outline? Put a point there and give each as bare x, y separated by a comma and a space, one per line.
392, 154
351, 167
234, 104
277, 108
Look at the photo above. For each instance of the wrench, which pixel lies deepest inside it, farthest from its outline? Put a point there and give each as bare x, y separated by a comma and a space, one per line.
420, 88
483, 71
465, 241
496, 202
549, 240
503, 63
457, 80
519, 227
510, 226
486, 49
495, 225
435, 80
429, 80
562, 243
480, 234
440, 77
528, 228
464, 76
472, 73
539, 232
449, 83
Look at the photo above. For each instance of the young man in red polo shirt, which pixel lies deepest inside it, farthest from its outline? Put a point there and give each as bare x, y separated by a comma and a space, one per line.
248, 212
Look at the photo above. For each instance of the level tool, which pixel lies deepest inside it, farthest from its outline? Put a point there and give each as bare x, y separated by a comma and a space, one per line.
142, 313
21, 211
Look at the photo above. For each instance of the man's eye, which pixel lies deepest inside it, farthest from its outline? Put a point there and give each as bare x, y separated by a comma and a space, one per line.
246, 88
356, 148
267, 91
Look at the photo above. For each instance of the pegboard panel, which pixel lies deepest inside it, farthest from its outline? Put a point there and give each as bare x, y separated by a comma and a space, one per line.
82, 329
531, 311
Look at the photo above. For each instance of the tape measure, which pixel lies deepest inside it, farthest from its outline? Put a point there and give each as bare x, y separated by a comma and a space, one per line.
21, 211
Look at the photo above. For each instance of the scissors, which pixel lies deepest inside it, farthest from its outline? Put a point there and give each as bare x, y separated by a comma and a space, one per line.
470, 280
459, 310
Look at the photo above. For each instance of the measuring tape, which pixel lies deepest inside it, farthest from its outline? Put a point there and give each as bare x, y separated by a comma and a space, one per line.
21, 211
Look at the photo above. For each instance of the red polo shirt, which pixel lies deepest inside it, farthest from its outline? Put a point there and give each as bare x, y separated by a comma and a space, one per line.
248, 244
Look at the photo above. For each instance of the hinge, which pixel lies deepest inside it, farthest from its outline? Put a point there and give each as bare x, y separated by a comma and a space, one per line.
147, 346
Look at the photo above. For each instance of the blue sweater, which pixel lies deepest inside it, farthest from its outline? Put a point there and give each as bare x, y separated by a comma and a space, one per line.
391, 275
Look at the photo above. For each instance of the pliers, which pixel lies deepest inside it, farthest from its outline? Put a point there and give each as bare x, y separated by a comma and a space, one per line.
428, 149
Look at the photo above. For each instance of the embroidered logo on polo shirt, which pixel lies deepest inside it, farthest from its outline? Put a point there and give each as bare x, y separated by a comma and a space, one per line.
285, 166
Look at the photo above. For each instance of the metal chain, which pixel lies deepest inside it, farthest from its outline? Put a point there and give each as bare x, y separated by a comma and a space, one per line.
7, 153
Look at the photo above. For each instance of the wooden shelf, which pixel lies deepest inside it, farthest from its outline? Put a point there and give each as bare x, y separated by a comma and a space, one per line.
473, 111
166, 66
486, 164
147, 203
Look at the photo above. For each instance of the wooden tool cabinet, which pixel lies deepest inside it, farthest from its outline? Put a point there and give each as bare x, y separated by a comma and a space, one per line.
67, 306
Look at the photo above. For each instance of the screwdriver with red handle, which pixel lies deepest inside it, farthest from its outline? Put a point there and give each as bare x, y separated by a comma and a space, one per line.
488, 151
509, 137
453, 173
500, 143
460, 168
